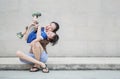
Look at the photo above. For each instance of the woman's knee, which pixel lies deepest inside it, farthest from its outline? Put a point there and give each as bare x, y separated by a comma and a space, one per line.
35, 45
18, 53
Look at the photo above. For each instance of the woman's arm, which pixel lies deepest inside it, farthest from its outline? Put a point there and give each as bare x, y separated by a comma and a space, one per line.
38, 35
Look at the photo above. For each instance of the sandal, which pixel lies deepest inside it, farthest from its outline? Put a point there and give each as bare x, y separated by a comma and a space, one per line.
37, 14
34, 69
45, 70
20, 35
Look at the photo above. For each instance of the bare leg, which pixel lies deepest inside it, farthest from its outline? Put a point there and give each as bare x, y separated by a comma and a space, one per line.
28, 28
30, 59
24, 32
35, 20
37, 50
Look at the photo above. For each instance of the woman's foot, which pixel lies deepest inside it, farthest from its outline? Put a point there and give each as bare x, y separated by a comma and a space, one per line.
34, 69
45, 69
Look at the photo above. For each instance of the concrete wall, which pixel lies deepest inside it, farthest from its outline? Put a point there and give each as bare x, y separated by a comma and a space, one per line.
87, 27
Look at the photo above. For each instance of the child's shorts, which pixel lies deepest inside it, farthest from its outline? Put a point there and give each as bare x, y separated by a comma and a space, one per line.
43, 58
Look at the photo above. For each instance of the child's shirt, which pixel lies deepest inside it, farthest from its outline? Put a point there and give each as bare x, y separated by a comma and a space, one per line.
33, 34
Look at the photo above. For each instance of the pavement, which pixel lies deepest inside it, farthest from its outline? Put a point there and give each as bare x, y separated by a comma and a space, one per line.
66, 63
62, 74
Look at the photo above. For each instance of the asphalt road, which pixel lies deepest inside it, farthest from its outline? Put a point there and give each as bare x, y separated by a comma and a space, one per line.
62, 74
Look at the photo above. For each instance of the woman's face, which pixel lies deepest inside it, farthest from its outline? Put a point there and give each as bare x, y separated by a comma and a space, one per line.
50, 34
51, 27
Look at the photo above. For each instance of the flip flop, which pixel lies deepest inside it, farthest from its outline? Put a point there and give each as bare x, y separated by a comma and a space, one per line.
46, 68
34, 69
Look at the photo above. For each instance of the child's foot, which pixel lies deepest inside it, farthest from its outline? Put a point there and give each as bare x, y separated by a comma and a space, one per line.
37, 14
20, 35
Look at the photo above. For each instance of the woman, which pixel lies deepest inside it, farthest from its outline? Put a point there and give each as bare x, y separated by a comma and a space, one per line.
38, 54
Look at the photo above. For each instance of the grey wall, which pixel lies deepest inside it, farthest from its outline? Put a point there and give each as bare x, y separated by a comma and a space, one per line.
87, 27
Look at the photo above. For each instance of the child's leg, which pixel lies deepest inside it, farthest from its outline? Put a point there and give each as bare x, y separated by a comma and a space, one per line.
21, 34
24, 32
35, 20
35, 17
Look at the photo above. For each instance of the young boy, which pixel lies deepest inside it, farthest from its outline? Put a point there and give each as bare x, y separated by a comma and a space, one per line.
35, 18
30, 35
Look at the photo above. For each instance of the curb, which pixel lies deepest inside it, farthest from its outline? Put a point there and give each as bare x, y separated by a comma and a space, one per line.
66, 63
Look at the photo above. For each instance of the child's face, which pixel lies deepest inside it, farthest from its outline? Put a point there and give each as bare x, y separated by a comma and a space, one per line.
50, 27
50, 34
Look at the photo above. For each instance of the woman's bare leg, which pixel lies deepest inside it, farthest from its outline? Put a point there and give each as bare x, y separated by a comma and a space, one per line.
23, 56
37, 50
37, 47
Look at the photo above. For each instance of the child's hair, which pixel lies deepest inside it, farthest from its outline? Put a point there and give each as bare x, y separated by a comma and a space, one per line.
57, 26
54, 40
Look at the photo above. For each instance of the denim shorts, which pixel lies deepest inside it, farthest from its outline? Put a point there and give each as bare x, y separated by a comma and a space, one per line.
43, 58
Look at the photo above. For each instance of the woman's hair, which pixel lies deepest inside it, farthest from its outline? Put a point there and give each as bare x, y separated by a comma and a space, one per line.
54, 40
57, 26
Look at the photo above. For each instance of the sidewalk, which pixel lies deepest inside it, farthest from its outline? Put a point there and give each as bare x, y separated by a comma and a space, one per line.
66, 63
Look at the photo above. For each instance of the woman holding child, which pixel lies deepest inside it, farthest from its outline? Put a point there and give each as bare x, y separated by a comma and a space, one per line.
39, 38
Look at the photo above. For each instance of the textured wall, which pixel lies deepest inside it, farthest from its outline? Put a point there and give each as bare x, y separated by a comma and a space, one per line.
87, 27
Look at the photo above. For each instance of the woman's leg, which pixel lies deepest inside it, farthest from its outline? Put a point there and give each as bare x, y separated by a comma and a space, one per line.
37, 50
23, 56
